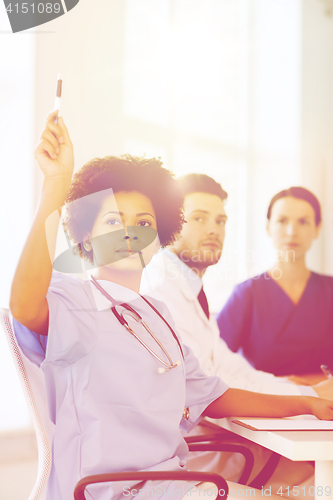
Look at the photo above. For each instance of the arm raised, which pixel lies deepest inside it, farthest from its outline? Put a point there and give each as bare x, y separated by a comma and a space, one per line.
54, 155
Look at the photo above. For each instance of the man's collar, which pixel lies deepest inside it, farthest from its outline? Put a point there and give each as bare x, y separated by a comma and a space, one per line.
192, 279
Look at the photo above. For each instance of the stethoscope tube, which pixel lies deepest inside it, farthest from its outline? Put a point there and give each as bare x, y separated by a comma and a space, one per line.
135, 315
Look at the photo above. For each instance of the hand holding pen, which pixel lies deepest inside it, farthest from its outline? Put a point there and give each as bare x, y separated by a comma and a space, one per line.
325, 389
54, 152
326, 371
57, 103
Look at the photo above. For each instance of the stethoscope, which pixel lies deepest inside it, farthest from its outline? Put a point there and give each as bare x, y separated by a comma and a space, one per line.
135, 315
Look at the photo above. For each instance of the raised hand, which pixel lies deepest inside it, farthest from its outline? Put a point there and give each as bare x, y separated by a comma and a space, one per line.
54, 154
54, 151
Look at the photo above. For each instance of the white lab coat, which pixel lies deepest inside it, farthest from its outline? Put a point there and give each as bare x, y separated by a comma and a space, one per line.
168, 279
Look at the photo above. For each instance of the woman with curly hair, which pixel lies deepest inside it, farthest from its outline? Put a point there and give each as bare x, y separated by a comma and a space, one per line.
117, 376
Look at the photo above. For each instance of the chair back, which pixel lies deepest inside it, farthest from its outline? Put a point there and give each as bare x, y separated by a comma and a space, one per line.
32, 381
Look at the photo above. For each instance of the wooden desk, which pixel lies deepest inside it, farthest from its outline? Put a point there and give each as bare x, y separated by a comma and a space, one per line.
296, 445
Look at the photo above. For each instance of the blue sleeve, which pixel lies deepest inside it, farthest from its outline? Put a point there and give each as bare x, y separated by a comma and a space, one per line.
72, 325
234, 320
32, 345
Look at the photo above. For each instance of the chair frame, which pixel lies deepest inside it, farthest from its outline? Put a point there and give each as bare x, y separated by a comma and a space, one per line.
44, 449
199, 477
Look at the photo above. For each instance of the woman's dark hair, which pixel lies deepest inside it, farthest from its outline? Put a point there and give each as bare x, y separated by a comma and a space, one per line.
301, 194
125, 173
201, 183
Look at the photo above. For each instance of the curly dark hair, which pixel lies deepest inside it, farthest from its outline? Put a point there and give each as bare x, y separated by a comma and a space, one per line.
125, 173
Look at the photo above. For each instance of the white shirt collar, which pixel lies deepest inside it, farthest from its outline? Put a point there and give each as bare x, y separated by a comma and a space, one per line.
117, 292
192, 279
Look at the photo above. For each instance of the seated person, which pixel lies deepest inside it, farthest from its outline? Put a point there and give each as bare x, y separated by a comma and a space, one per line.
283, 319
175, 277
117, 388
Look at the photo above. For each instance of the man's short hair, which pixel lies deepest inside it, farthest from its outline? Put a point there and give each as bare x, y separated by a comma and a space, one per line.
201, 183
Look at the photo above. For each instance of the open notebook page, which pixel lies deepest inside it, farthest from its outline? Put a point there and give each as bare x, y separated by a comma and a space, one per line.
305, 423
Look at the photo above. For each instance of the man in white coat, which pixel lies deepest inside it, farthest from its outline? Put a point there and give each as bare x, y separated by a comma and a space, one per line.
175, 277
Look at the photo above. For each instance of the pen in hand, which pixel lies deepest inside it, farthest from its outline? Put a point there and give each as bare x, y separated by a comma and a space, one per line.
326, 371
57, 102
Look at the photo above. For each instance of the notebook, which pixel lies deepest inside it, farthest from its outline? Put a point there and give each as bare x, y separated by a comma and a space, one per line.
306, 423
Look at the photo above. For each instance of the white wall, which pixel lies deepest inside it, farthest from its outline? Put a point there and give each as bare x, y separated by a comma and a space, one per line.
275, 116
85, 45
17, 57
317, 122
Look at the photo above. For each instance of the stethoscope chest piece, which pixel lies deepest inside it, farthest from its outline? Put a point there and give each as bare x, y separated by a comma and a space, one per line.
163, 370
